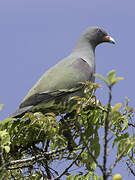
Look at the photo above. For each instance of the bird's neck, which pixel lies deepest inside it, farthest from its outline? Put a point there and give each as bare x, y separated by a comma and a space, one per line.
86, 51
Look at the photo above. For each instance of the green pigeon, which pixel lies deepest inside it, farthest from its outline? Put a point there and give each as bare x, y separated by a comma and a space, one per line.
62, 81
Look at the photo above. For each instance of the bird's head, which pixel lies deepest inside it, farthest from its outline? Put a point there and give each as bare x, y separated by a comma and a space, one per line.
97, 35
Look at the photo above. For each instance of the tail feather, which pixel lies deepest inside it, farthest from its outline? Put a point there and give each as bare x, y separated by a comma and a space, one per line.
19, 112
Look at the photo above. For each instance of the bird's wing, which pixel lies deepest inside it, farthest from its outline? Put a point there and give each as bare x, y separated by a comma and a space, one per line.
59, 82
47, 96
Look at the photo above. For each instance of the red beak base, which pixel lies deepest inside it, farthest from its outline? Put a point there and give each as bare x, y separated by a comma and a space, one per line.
109, 39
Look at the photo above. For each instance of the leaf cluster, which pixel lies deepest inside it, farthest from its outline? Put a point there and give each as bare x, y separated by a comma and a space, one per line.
29, 146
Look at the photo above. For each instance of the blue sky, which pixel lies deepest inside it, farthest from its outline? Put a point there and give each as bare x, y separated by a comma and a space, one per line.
36, 34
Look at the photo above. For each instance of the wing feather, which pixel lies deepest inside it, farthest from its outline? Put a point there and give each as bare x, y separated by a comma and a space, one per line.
66, 83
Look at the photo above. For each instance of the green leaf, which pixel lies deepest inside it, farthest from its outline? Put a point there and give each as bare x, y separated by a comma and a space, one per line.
5, 140
7, 148
95, 177
101, 77
119, 138
1, 105
90, 164
75, 177
101, 178
89, 175
116, 80
82, 178
116, 107
125, 125
111, 76
9, 120
130, 147
69, 177
124, 146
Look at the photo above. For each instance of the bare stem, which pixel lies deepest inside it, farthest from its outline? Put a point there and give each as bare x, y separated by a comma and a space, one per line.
66, 170
117, 160
131, 170
106, 130
26, 161
131, 124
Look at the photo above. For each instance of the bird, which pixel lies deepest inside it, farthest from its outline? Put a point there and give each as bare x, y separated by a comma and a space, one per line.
61, 82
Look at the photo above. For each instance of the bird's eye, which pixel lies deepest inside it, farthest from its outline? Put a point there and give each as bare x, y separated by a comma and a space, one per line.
98, 31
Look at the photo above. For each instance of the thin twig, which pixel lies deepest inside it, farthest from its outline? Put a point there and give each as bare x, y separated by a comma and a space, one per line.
66, 170
32, 159
41, 171
131, 170
19, 166
37, 157
131, 124
94, 107
47, 145
47, 169
106, 130
93, 157
54, 171
117, 159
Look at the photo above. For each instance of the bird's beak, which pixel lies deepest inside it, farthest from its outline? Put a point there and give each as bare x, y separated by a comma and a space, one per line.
109, 39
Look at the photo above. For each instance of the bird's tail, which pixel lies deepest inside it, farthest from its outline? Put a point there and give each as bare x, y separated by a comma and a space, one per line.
19, 112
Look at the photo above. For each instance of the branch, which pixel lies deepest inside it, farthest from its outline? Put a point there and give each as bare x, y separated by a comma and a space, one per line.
32, 159
95, 106
93, 157
131, 124
131, 170
106, 129
48, 172
41, 171
117, 159
54, 171
19, 167
66, 170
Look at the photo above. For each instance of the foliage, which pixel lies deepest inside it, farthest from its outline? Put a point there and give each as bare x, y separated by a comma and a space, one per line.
29, 146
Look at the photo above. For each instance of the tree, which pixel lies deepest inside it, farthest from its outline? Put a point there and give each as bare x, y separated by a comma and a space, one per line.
31, 145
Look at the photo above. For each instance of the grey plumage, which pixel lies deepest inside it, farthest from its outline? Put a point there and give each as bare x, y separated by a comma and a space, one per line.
61, 82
